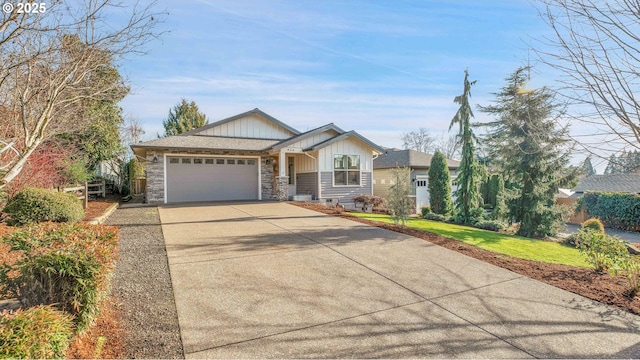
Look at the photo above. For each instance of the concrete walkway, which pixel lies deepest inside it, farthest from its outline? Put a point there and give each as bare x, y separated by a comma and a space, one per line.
271, 280
630, 236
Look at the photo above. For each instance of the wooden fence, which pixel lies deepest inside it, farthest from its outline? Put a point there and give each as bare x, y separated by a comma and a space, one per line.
577, 217
82, 192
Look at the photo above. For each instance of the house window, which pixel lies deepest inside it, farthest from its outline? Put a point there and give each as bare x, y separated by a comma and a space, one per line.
346, 169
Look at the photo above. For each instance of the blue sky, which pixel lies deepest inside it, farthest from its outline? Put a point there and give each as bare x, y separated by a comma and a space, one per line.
378, 67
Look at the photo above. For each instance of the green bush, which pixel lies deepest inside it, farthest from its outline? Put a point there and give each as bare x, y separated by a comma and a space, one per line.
436, 217
34, 205
616, 210
425, 210
440, 185
489, 225
603, 252
67, 265
40, 332
593, 224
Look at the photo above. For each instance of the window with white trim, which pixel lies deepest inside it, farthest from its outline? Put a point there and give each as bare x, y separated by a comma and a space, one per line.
346, 169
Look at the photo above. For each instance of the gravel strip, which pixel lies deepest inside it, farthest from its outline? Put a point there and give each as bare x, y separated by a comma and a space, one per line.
142, 285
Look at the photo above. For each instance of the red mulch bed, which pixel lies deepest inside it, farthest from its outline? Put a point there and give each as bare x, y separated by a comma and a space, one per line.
582, 281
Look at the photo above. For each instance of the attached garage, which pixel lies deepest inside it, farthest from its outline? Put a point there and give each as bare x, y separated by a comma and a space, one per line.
193, 178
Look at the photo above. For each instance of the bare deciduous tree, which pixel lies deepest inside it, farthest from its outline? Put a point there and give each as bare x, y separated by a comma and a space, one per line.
596, 45
51, 64
419, 140
448, 145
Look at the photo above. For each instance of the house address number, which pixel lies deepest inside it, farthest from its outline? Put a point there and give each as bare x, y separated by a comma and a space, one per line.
293, 150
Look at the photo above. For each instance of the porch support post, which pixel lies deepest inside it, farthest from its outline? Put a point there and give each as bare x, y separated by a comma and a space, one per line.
282, 180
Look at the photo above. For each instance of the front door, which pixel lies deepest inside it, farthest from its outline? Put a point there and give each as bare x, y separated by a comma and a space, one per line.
291, 173
422, 193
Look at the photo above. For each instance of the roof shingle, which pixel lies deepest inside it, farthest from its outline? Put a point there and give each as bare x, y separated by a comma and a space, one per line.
628, 183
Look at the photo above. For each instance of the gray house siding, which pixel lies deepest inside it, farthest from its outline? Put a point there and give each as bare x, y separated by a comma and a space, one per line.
307, 183
344, 193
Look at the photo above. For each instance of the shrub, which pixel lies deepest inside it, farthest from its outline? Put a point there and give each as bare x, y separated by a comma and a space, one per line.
489, 225
603, 252
68, 265
435, 217
425, 210
33, 205
40, 332
367, 201
593, 224
630, 268
440, 185
617, 210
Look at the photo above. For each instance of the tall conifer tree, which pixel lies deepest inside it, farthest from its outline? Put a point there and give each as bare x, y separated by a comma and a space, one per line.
468, 203
532, 152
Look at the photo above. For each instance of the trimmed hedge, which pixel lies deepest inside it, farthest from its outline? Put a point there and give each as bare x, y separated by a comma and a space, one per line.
616, 210
67, 265
34, 205
40, 332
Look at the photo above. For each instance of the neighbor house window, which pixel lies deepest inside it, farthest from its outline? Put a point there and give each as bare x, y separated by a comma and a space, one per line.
346, 169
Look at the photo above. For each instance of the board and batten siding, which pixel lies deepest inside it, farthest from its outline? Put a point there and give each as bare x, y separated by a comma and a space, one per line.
344, 193
305, 164
252, 126
307, 183
348, 146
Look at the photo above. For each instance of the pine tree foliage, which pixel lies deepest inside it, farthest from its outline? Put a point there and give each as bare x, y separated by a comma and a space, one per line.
625, 163
468, 204
184, 117
440, 185
587, 167
532, 152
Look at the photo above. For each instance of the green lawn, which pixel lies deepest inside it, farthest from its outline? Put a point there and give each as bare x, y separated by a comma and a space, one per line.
516, 246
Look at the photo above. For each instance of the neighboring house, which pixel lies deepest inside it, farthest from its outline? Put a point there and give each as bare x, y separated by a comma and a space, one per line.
253, 156
626, 183
563, 193
418, 162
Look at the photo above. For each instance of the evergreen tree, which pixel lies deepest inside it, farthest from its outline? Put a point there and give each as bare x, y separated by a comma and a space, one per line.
184, 117
439, 185
468, 204
587, 167
625, 163
532, 153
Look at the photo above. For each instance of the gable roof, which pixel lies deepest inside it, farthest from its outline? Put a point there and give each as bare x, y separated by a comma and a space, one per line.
628, 183
307, 134
255, 111
409, 158
200, 142
343, 136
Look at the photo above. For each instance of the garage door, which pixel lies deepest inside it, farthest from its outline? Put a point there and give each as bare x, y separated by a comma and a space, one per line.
211, 179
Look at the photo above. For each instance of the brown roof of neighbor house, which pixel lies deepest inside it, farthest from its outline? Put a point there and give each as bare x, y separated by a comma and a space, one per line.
628, 183
410, 158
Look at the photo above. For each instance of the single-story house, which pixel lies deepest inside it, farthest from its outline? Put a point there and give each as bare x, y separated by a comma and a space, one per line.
254, 156
418, 162
626, 183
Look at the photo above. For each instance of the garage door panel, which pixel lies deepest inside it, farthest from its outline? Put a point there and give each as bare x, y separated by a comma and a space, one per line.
220, 179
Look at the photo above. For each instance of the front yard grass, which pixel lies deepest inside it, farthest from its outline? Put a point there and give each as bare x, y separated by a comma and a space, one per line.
516, 246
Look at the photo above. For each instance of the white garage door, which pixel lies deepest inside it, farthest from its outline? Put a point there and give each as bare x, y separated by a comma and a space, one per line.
211, 179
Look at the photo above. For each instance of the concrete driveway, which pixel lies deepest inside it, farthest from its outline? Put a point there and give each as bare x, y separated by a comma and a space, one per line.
271, 280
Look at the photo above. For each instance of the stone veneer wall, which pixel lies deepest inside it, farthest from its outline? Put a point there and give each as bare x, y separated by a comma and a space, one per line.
155, 173
282, 188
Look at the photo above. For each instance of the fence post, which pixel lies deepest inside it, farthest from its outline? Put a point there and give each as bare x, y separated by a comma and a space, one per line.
85, 202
